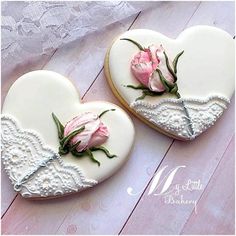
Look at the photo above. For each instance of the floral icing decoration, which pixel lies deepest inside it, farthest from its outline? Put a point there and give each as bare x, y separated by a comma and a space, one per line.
154, 70
156, 73
83, 135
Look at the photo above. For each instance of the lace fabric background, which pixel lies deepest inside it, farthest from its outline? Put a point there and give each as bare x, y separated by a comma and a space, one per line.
31, 29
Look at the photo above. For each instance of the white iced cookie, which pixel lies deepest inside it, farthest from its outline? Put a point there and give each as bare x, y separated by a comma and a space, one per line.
179, 87
53, 145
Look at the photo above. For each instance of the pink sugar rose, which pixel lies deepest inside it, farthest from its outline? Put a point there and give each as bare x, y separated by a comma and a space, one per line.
94, 134
144, 65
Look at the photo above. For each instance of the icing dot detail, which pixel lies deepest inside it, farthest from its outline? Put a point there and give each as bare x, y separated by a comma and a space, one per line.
34, 169
169, 114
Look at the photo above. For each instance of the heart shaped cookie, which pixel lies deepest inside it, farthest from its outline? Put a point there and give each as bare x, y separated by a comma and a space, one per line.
52, 144
179, 87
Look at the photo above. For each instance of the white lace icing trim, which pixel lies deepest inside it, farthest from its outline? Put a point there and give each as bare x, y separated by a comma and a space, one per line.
35, 169
170, 114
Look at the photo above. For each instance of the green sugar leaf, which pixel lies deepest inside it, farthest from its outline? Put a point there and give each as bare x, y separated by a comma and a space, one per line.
175, 62
138, 87
105, 112
169, 67
85, 153
92, 157
60, 127
152, 93
66, 139
73, 147
78, 154
148, 92
141, 97
63, 151
134, 42
174, 90
103, 149
168, 86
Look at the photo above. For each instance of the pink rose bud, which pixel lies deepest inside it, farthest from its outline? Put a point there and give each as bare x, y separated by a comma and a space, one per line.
144, 65
94, 134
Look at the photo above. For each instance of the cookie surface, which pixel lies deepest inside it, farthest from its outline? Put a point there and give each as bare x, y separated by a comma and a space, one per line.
205, 79
30, 137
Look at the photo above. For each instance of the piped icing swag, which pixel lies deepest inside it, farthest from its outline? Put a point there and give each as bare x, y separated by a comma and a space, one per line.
154, 70
83, 135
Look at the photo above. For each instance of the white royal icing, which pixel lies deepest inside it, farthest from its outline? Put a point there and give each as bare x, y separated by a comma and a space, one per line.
170, 114
35, 169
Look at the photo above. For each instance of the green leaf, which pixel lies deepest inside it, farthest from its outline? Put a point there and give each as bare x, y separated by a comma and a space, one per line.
103, 149
168, 86
135, 43
177, 95
148, 92
174, 90
105, 112
138, 87
175, 62
145, 91
78, 154
63, 151
60, 127
141, 97
169, 67
85, 153
92, 157
66, 139
73, 147
152, 93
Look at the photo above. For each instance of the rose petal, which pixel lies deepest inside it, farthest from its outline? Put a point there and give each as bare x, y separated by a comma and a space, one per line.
162, 65
99, 137
155, 83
